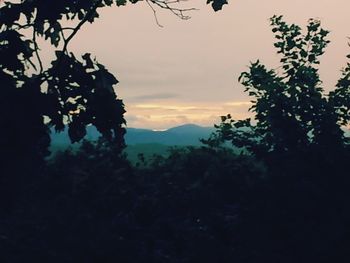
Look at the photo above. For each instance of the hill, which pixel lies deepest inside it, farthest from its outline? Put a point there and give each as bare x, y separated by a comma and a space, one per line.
184, 135
188, 134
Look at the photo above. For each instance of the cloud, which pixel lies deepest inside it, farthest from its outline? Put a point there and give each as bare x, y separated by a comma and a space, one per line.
155, 96
238, 103
165, 114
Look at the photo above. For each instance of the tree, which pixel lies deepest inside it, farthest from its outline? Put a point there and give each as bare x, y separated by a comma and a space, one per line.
292, 213
73, 91
293, 114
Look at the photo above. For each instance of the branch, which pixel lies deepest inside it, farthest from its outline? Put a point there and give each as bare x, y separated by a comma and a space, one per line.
154, 13
36, 47
81, 23
19, 26
169, 5
68, 28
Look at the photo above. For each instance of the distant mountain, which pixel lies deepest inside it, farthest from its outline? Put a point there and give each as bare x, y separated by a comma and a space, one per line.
188, 134
189, 128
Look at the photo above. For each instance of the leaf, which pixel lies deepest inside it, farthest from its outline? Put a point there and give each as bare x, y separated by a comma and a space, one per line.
76, 130
88, 61
217, 4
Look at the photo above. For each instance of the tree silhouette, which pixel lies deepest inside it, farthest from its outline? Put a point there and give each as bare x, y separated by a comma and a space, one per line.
73, 91
293, 114
299, 211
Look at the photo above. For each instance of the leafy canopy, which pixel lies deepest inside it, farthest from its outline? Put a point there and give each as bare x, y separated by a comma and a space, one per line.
292, 112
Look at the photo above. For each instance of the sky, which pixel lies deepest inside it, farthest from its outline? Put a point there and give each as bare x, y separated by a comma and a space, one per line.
187, 71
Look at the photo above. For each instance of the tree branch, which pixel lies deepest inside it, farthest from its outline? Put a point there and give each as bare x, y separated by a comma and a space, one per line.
154, 13
36, 47
81, 23
169, 5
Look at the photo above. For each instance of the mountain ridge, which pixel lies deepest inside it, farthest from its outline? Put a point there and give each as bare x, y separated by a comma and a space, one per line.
182, 135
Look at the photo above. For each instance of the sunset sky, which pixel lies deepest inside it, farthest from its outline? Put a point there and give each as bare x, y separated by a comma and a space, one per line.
186, 71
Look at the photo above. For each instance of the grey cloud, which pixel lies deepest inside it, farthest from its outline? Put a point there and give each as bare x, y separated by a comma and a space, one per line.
154, 96
132, 118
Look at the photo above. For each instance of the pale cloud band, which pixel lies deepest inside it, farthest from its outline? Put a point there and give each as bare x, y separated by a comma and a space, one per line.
164, 114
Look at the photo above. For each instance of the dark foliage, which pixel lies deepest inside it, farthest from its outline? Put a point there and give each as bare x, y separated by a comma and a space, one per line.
71, 91
91, 206
217, 4
300, 213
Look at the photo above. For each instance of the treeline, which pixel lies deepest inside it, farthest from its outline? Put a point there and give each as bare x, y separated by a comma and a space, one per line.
196, 205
